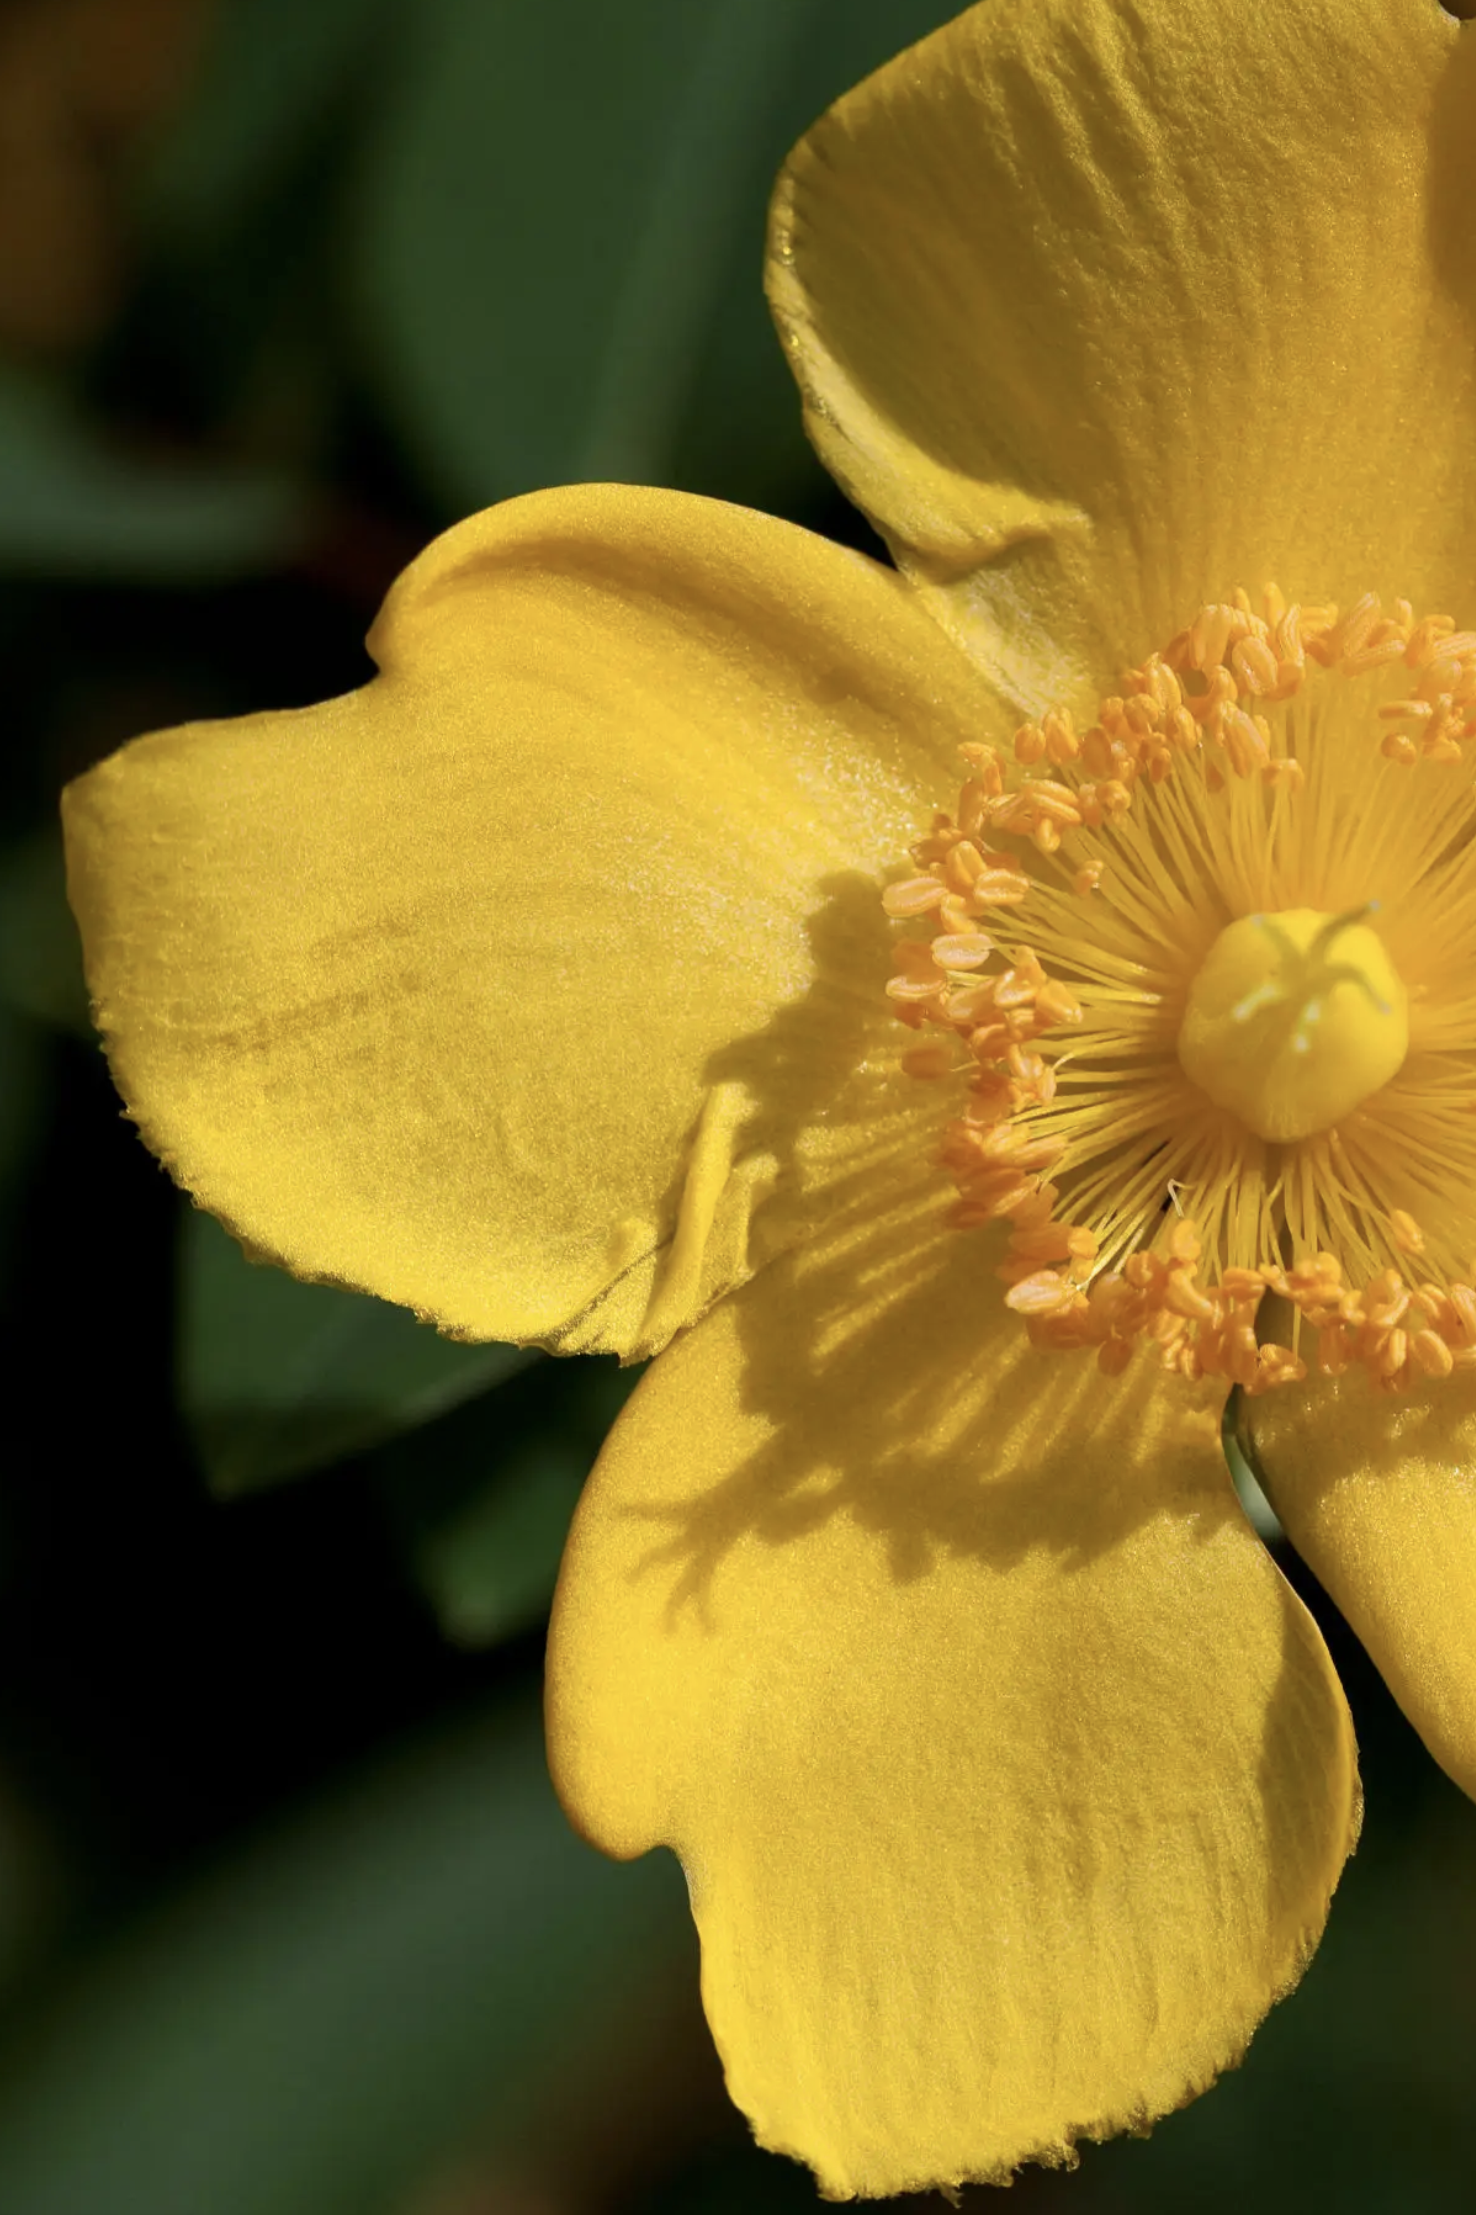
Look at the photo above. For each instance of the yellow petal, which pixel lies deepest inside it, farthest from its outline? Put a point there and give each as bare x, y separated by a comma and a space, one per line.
1010, 1779
539, 985
1378, 1495
1102, 310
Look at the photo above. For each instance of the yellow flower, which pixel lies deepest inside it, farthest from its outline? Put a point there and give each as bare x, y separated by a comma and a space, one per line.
542, 986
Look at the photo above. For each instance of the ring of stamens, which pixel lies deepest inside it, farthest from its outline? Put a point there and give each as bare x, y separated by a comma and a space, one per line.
1137, 1210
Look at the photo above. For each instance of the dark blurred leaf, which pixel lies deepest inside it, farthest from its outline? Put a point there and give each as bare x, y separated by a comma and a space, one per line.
489, 1567
71, 504
745, 2182
273, 70
482, 1501
545, 223
558, 207
34, 1884
740, 435
40, 954
22, 1085
319, 2024
278, 1377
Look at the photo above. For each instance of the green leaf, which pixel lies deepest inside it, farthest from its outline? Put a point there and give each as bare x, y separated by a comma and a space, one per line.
384, 1981
739, 434
559, 207
73, 504
273, 70
482, 1503
278, 1377
40, 953
489, 1568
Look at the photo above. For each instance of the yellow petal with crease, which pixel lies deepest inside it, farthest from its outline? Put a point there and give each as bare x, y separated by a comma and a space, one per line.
1103, 307
1378, 1495
538, 985
1010, 1778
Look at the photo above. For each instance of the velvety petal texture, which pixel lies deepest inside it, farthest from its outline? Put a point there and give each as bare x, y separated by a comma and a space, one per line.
1378, 1495
538, 985
1103, 307
1010, 1779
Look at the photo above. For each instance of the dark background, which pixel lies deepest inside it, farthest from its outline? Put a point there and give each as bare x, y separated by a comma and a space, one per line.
289, 1921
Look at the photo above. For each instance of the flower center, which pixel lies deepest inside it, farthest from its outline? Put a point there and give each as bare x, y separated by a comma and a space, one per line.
1294, 1019
1200, 981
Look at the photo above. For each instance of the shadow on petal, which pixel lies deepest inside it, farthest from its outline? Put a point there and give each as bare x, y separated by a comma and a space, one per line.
819, 1110
1452, 187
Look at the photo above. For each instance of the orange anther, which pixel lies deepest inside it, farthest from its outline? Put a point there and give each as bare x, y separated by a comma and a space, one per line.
1431, 1354
1183, 1298
1057, 1003
1392, 1354
1408, 1236
930, 1062
964, 950
1045, 1293
965, 864
1255, 666
1184, 1244
914, 896
988, 766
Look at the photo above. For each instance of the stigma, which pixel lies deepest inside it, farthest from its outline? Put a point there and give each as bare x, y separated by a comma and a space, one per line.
1198, 985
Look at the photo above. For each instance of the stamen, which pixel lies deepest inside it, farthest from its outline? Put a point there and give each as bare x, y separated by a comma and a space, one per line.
1246, 788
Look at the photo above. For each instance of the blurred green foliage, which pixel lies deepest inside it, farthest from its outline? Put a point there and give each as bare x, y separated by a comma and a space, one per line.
558, 250
482, 1515
71, 503
397, 1970
288, 1918
40, 962
278, 1377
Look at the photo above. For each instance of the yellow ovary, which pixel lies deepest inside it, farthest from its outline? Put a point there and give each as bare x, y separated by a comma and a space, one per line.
1205, 975
1293, 1020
